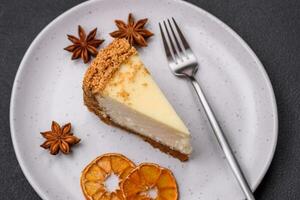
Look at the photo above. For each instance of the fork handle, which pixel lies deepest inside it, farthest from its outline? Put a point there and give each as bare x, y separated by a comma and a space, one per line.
223, 141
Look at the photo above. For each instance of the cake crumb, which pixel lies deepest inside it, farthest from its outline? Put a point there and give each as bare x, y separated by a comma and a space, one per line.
146, 71
124, 94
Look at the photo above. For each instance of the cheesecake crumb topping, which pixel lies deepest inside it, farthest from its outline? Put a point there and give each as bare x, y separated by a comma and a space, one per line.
121, 82
106, 64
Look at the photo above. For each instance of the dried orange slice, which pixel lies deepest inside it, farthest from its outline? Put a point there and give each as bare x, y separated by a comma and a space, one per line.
96, 173
147, 178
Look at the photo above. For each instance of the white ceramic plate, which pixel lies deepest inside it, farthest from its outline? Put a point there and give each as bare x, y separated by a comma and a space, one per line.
48, 87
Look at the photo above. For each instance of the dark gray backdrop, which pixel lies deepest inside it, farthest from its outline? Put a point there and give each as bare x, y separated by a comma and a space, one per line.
270, 27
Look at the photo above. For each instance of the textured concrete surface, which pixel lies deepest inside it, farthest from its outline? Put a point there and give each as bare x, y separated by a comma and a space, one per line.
271, 28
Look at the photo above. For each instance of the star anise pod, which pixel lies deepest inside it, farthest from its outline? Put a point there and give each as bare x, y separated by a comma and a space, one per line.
59, 138
84, 46
135, 33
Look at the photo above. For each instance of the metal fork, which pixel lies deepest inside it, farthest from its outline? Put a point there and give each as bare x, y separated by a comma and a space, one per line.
183, 63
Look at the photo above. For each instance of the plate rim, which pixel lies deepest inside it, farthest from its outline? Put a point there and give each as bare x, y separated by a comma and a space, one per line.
227, 28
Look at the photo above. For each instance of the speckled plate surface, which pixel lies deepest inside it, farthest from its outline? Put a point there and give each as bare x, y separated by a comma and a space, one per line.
48, 87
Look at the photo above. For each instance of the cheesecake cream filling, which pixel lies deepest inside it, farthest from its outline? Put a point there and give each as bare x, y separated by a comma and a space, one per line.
144, 125
133, 86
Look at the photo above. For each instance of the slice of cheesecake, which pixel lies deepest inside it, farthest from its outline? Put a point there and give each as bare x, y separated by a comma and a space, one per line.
120, 90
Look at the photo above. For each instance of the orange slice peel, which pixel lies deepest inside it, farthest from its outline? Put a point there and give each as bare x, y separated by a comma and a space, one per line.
94, 175
146, 177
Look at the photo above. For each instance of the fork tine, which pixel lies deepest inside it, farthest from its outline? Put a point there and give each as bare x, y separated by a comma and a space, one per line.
175, 37
175, 52
167, 49
183, 40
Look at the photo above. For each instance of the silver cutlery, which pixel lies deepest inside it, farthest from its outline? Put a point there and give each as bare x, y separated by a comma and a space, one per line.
183, 63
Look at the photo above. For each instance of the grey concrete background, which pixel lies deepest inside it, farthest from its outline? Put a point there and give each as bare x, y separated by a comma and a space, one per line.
270, 27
